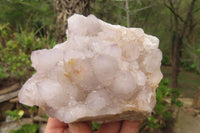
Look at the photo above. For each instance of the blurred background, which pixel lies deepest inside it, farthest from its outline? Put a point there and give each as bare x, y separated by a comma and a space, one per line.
27, 25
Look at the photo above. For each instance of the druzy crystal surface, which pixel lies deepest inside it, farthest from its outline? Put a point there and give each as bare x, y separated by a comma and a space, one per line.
102, 72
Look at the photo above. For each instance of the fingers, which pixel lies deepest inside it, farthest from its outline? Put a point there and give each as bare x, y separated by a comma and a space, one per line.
130, 127
79, 127
112, 127
55, 126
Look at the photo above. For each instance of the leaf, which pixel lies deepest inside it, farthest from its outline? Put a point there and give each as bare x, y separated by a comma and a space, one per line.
21, 113
26, 128
173, 100
15, 114
95, 126
176, 93
152, 122
197, 51
159, 108
167, 115
179, 103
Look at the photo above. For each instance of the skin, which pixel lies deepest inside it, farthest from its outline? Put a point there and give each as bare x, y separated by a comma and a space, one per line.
55, 126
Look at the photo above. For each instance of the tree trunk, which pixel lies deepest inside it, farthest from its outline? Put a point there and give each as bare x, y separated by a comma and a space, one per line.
178, 33
66, 8
127, 14
176, 54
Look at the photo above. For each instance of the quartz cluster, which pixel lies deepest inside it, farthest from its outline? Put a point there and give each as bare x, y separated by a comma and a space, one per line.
102, 73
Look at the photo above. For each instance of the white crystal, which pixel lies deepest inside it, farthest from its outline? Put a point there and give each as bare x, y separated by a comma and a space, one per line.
131, 51
51, 90
103, 72
124, 85
105, 68
40, 62
97, 100
114, 50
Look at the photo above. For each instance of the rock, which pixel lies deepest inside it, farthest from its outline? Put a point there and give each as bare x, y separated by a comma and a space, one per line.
102, 73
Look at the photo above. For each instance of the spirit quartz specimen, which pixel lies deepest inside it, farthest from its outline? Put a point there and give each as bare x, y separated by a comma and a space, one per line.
102, 73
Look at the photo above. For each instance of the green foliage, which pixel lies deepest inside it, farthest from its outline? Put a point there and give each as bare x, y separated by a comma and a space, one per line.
28, 13
15, 114
197, 51
192, 63
152, 122
165, 59
15, 51
33, 108
24, 26
46, 116
3, 74
188, 65
163, 110
26, 128
95, 126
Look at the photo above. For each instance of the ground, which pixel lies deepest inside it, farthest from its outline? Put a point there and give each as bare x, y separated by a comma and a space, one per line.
188, 82
188, 119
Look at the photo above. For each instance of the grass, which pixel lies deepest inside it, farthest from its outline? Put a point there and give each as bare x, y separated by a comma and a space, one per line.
188, 82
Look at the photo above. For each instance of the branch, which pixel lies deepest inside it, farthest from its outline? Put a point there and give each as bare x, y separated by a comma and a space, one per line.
189, 14
173, 11
119, 7
141, 9
127, 14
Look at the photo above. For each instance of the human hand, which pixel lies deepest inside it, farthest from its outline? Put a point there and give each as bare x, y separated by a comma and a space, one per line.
55, 126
